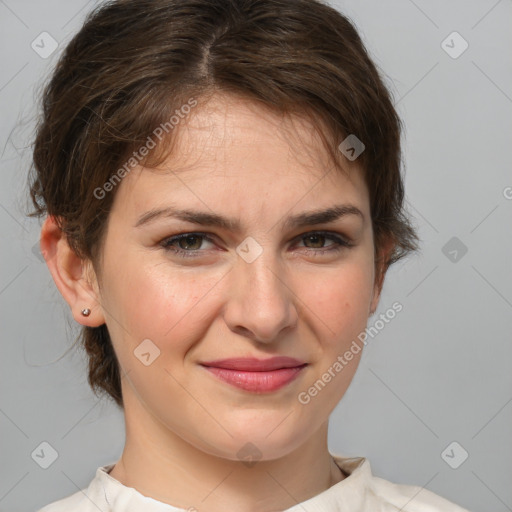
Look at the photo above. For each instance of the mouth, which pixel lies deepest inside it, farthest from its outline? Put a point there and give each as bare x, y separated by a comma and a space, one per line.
255, 375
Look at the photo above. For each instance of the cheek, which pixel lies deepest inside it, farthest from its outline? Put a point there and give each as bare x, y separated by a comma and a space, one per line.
171, 309
154, 301
339, 301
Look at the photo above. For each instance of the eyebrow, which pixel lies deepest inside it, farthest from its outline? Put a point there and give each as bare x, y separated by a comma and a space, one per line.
314, 217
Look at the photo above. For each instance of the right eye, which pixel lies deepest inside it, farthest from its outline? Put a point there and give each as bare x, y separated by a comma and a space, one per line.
185, 245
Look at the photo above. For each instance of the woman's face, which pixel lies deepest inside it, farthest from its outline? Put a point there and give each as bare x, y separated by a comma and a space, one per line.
264, 284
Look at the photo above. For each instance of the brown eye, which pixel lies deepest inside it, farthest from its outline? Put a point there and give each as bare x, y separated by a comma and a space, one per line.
317, 240
187, 244
315, 243
190, 242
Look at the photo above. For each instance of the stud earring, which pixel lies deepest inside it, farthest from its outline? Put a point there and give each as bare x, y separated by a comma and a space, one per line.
86, 312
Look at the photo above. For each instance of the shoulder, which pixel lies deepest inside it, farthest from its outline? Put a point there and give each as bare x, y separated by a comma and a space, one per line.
73, 503
412, 498
379, 494
90, 499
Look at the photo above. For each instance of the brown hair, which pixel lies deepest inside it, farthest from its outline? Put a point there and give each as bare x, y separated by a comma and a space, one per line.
136, 62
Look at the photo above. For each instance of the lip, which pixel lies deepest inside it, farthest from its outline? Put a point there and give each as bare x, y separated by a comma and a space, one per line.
251, 364
256, 375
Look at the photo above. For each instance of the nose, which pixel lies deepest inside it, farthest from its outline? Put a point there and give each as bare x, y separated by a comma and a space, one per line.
261, 303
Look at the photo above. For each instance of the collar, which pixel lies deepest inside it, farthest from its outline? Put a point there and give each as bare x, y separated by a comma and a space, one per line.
349, 494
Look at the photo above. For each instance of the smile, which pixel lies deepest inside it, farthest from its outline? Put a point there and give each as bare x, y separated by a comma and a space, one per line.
257, 381
256, 375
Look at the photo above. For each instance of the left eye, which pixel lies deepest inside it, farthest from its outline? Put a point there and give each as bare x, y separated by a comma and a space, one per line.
319, 238
189, 244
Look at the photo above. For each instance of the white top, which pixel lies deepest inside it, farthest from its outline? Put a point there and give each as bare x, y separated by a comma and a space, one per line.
360, 491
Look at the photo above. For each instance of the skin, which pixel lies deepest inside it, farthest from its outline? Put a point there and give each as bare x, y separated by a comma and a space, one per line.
184, 427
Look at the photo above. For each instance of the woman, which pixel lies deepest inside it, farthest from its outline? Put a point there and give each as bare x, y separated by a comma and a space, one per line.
222, 190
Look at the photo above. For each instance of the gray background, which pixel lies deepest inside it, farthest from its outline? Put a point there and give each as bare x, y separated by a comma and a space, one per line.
438, 373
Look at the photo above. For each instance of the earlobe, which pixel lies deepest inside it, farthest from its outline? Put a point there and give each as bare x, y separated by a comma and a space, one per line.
381, 269
75, 278
375, 298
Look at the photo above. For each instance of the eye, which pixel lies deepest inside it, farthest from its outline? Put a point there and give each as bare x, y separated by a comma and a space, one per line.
190, 245
317, 239
185, 245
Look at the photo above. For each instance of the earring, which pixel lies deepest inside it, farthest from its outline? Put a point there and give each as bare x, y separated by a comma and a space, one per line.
86, 312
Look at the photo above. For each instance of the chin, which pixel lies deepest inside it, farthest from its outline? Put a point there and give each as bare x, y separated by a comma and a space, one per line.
257, 440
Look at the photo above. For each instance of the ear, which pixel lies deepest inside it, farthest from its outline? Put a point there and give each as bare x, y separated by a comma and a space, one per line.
380, 271
75, 278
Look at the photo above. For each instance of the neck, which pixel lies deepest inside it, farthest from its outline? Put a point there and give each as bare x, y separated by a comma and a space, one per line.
160, 464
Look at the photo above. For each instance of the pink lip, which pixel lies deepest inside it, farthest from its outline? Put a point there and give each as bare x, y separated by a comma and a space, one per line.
252, 364
254, 374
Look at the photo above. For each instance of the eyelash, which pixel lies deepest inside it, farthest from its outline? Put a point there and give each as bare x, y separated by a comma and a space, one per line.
339, 243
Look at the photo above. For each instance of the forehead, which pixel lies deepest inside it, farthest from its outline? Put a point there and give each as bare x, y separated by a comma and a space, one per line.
231, 144
228, 127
